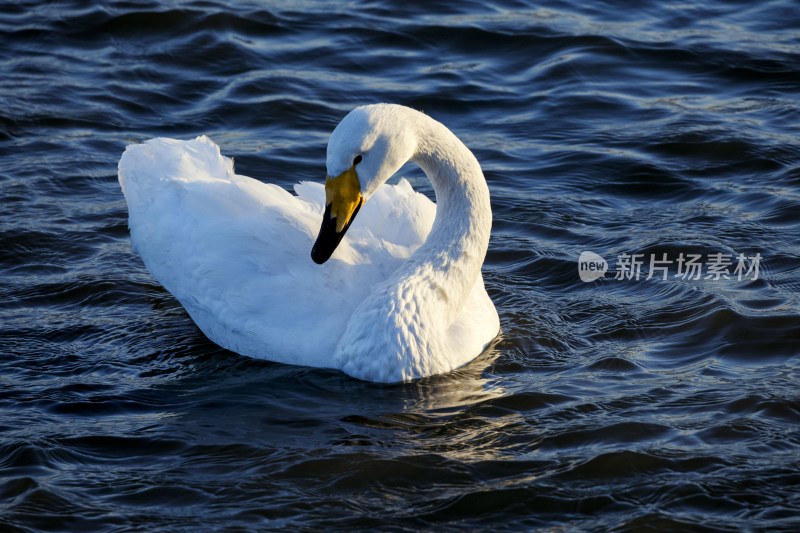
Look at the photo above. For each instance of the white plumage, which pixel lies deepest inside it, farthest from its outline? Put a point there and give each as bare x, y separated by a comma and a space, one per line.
235, 251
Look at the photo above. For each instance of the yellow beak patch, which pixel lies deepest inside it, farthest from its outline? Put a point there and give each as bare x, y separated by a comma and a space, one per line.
343, 195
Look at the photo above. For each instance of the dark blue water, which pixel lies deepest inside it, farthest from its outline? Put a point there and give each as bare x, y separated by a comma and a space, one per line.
670, 127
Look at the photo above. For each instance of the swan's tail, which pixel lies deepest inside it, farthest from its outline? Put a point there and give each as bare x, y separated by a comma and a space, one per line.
145, 168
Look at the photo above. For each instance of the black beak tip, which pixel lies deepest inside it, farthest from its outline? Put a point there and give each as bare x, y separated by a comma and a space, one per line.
319, 257
328, 238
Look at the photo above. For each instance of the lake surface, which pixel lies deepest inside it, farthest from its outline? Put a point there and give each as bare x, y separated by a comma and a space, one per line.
662, 403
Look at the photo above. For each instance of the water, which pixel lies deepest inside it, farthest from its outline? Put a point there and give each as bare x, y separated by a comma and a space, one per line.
615, 404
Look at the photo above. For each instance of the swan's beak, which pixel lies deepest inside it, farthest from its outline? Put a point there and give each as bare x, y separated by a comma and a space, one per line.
343, 199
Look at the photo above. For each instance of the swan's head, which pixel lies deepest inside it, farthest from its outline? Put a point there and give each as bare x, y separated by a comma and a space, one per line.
367, 147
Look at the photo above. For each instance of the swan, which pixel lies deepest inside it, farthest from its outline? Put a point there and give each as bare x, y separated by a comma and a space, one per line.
402, 297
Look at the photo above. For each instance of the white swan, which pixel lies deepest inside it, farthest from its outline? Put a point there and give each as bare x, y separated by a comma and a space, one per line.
401, 298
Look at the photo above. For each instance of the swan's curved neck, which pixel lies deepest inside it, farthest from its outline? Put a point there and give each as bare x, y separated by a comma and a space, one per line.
402, 329
449, 263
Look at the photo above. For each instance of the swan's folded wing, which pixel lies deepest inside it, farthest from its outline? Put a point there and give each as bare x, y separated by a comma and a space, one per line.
236, 252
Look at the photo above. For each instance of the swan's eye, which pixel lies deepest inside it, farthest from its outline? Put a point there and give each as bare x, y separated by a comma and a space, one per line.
357, 160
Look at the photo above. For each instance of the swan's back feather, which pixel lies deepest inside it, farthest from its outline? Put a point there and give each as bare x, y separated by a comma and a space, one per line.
236, 252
